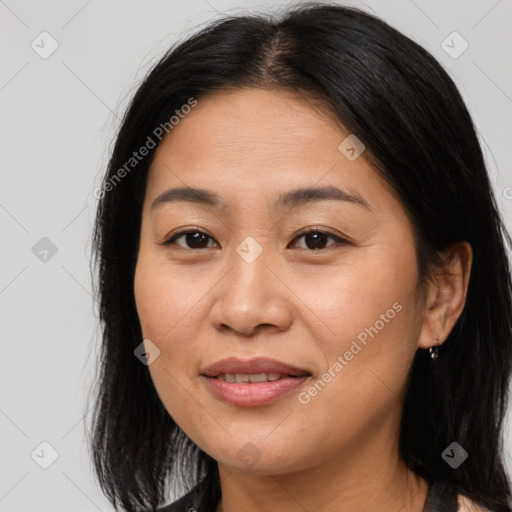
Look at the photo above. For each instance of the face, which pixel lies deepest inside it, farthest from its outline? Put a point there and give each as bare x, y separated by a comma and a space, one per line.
319, 286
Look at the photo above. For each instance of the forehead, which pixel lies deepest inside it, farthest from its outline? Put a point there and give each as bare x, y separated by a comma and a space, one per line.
253, 139
275, 124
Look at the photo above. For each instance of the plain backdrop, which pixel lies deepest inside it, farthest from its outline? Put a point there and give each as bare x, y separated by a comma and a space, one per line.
59, 114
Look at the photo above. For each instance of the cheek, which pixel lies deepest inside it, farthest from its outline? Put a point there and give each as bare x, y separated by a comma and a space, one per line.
373, 312
148, 295
165, 311
373, 291
162, 298
159, 313
373, 325
166, 305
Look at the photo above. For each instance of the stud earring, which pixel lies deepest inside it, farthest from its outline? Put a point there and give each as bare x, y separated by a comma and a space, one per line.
434, 354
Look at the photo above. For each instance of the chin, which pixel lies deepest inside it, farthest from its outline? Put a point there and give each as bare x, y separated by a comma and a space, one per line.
260, 456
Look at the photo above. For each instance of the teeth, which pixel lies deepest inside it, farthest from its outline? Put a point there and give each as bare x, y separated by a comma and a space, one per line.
253, 377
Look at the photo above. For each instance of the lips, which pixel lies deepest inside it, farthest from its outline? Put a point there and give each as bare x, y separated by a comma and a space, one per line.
253, 383
234, 366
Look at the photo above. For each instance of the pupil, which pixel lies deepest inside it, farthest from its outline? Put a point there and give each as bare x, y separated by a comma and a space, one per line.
195, 238
317, 240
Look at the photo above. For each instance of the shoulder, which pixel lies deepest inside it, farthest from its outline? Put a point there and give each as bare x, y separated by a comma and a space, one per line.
464, 504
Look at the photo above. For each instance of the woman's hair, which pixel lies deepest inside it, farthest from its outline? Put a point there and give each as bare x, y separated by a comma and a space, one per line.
398, 100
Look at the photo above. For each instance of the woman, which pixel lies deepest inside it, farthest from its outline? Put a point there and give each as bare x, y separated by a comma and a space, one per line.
303, 280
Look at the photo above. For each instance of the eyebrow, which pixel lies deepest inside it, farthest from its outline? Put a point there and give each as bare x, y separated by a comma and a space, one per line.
296, 197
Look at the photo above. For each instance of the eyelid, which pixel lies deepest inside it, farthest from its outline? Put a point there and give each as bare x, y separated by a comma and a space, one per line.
170, 238
320, 229
341, 240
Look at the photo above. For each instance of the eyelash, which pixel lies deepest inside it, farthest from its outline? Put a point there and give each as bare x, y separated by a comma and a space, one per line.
171, 240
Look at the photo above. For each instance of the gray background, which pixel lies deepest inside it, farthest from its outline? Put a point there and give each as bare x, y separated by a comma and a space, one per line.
58, 118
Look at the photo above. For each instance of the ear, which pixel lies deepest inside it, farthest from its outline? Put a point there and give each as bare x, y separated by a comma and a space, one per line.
446, 294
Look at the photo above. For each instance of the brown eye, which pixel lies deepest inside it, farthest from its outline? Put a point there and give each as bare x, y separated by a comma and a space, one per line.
194, 239
316, 240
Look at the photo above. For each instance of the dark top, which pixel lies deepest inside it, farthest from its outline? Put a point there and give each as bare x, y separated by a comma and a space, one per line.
441, 498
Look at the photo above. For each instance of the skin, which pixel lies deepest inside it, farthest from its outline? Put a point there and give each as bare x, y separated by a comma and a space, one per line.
338, 452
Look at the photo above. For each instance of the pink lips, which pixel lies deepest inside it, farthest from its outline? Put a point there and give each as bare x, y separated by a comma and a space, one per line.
256, 365
253, 394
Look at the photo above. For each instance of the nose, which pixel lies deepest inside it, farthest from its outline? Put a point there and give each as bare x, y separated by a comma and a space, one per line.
252, 297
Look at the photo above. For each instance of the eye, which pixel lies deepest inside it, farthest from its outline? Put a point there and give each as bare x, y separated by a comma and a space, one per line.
315, 239
195, 238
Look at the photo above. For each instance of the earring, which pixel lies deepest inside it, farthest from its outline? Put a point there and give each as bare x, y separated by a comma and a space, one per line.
433, 349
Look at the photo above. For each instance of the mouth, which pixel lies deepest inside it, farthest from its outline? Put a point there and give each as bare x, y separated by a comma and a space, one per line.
256, 367
253, 383
242, 378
